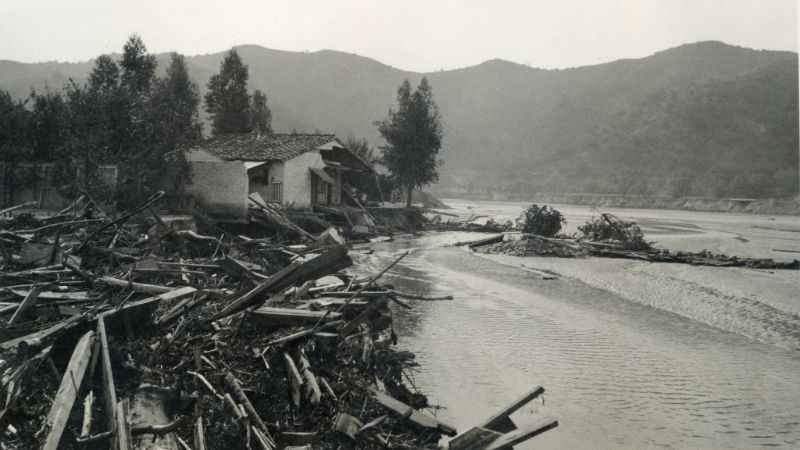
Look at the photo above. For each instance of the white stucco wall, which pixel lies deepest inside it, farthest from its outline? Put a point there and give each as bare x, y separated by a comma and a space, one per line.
220, 187
263, 179
297, 178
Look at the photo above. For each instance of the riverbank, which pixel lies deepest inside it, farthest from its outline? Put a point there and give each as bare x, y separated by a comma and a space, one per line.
779, 206
635, 354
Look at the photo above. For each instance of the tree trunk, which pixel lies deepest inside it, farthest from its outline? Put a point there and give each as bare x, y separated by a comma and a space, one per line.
408, 198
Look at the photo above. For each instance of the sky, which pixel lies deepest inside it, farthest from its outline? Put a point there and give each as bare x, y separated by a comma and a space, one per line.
417, 35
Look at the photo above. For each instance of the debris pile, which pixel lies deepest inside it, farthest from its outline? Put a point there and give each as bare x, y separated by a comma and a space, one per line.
612, 230
143, 332
609, 236
443, 221
522, 244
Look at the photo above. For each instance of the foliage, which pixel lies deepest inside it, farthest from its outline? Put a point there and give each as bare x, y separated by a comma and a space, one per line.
361, 148
231, 108
544, 220
413, 135
123, 116
610, 228
260, 115
227, 100
175, 121
138, 67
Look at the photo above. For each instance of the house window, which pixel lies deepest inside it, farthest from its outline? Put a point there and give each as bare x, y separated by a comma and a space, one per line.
275, 192
322, 192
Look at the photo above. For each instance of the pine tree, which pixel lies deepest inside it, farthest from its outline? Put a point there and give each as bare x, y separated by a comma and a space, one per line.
227, 100
413, 135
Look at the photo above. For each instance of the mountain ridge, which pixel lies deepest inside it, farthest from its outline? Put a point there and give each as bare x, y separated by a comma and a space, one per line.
541, 125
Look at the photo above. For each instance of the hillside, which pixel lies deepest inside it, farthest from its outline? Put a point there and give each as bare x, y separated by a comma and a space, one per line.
704, 119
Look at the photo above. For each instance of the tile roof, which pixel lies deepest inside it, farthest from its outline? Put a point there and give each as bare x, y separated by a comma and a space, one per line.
265, 147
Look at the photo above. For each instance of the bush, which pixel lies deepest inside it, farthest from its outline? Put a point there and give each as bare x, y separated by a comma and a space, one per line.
544, 221
610, 228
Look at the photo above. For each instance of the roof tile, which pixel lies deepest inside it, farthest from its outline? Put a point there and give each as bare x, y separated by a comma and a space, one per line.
265, 147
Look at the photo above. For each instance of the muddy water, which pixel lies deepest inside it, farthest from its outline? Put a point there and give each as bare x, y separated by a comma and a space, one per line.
619, 373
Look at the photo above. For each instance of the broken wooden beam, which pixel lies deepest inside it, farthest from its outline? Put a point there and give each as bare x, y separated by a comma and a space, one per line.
413, 415
26, 304
323, 264
252, 414
138, 287
499, 428
109, 387
522, 434
123, 427
270, 316
295, 381
64, 400
38, 339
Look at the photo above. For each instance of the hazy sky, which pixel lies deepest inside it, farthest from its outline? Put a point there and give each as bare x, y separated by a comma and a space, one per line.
420, 35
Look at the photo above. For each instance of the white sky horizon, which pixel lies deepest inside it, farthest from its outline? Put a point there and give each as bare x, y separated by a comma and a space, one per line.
412, 35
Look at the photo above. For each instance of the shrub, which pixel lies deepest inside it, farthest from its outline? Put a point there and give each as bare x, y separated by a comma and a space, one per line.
610, 228
544, 221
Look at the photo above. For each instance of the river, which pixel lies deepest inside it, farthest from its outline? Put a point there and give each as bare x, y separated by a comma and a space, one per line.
632, 354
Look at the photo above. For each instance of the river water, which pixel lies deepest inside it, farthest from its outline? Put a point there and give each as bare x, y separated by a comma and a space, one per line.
631, 354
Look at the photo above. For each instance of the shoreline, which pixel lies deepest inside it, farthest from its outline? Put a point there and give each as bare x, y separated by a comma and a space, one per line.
766, 206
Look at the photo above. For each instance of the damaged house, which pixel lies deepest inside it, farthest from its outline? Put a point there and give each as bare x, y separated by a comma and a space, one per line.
313, 172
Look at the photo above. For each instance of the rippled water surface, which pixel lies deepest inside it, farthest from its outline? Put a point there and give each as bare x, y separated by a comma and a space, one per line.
618, 373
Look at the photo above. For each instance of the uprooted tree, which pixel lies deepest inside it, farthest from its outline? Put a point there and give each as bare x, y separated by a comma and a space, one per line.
413, 135
541, 220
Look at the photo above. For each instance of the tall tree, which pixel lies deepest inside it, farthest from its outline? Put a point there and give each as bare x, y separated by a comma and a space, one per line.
14, 148
260, 115
138, 67
413, 136
48, 127
227, 100
176, 122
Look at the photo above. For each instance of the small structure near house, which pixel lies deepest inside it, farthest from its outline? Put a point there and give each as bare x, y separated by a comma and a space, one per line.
298, 171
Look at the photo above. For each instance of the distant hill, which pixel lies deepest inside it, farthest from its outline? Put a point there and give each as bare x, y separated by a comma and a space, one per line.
704, 119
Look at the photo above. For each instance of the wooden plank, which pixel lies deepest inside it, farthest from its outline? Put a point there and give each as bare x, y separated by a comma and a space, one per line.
290, 317
138, 287
241, 269
496, 421
250, 297
473, 439
294, 379
38, 339
180, 308
172, 294
332, 260
522, 434
109, 388
86, 427
50, 295
60, 410
418, 417
26, 304
123, 427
